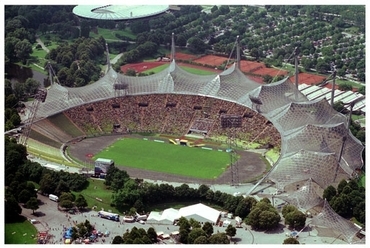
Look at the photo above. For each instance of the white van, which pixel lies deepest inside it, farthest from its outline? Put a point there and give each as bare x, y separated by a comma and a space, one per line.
53, 197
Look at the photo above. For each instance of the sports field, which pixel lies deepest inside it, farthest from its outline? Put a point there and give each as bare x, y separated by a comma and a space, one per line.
167, 158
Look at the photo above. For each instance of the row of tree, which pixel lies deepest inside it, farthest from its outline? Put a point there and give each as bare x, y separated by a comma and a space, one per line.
21, 172
77, 64
347, 200
141, 195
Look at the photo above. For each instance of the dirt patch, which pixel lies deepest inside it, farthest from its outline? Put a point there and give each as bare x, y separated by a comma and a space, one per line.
270, 71
216, 71
184, 56
249, 166
308, 78
211, 60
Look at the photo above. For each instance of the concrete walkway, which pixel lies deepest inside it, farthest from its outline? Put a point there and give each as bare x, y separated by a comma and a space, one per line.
39, 41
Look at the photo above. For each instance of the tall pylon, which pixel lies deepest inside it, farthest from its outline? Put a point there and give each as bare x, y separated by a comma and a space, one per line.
238, 52
108, 59
173, 47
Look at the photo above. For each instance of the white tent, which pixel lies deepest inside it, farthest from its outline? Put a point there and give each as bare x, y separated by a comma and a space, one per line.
200, 212
166, 217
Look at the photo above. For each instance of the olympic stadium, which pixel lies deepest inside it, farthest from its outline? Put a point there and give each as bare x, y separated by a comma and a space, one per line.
317, 147
118, 12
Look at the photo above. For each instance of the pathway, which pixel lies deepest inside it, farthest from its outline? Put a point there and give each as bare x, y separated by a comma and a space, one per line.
39, 41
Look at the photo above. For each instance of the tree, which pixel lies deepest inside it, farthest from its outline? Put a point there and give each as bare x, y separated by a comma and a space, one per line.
208, 228
194, 223
32, 204
23, 49
61, 188
291, 241
341, 185
10, 43
19, 90
66, 204
12, 209
152, 234
288, 209
31, 86
339, 106
224, 9
219, 238
214, 8
85, 29
194, 234
67, 196
244, 207
322, 66
184, 223
361, 135
139, 205
267, 78
345, 86
47, 184
306, 63
295, 219
362, 90
24, 196
230, 230
183, 233
81, 202
201, 240
130, 72
255, 53
361, 75
263, 216
181, 40
197, 45
329, 193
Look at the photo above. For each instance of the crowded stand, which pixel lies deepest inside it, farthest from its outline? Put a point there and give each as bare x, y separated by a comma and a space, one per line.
170, 114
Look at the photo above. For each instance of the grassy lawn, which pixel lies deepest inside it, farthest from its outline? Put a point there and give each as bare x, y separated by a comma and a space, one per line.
273, 155
111, 34
158, 68
341, 81
197, 71
360, 118
362, 181
173, 159
46, 152
20, 233
97, 189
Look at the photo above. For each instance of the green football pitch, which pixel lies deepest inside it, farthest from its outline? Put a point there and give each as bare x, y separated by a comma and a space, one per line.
168, 158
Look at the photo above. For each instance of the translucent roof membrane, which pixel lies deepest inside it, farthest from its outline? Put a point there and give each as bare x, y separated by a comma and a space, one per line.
304, 165
276, 95
330, 219
118, 12
297, 114
305, 198
312, 132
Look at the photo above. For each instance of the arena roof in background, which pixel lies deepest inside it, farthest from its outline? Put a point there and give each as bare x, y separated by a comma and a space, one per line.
118, 12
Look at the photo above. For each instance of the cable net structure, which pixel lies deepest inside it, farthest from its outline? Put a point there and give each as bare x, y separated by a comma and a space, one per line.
304, 198
316, 143
312, 132
330, 219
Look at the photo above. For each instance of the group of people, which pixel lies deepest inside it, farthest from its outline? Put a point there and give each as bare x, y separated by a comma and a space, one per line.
170, 114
